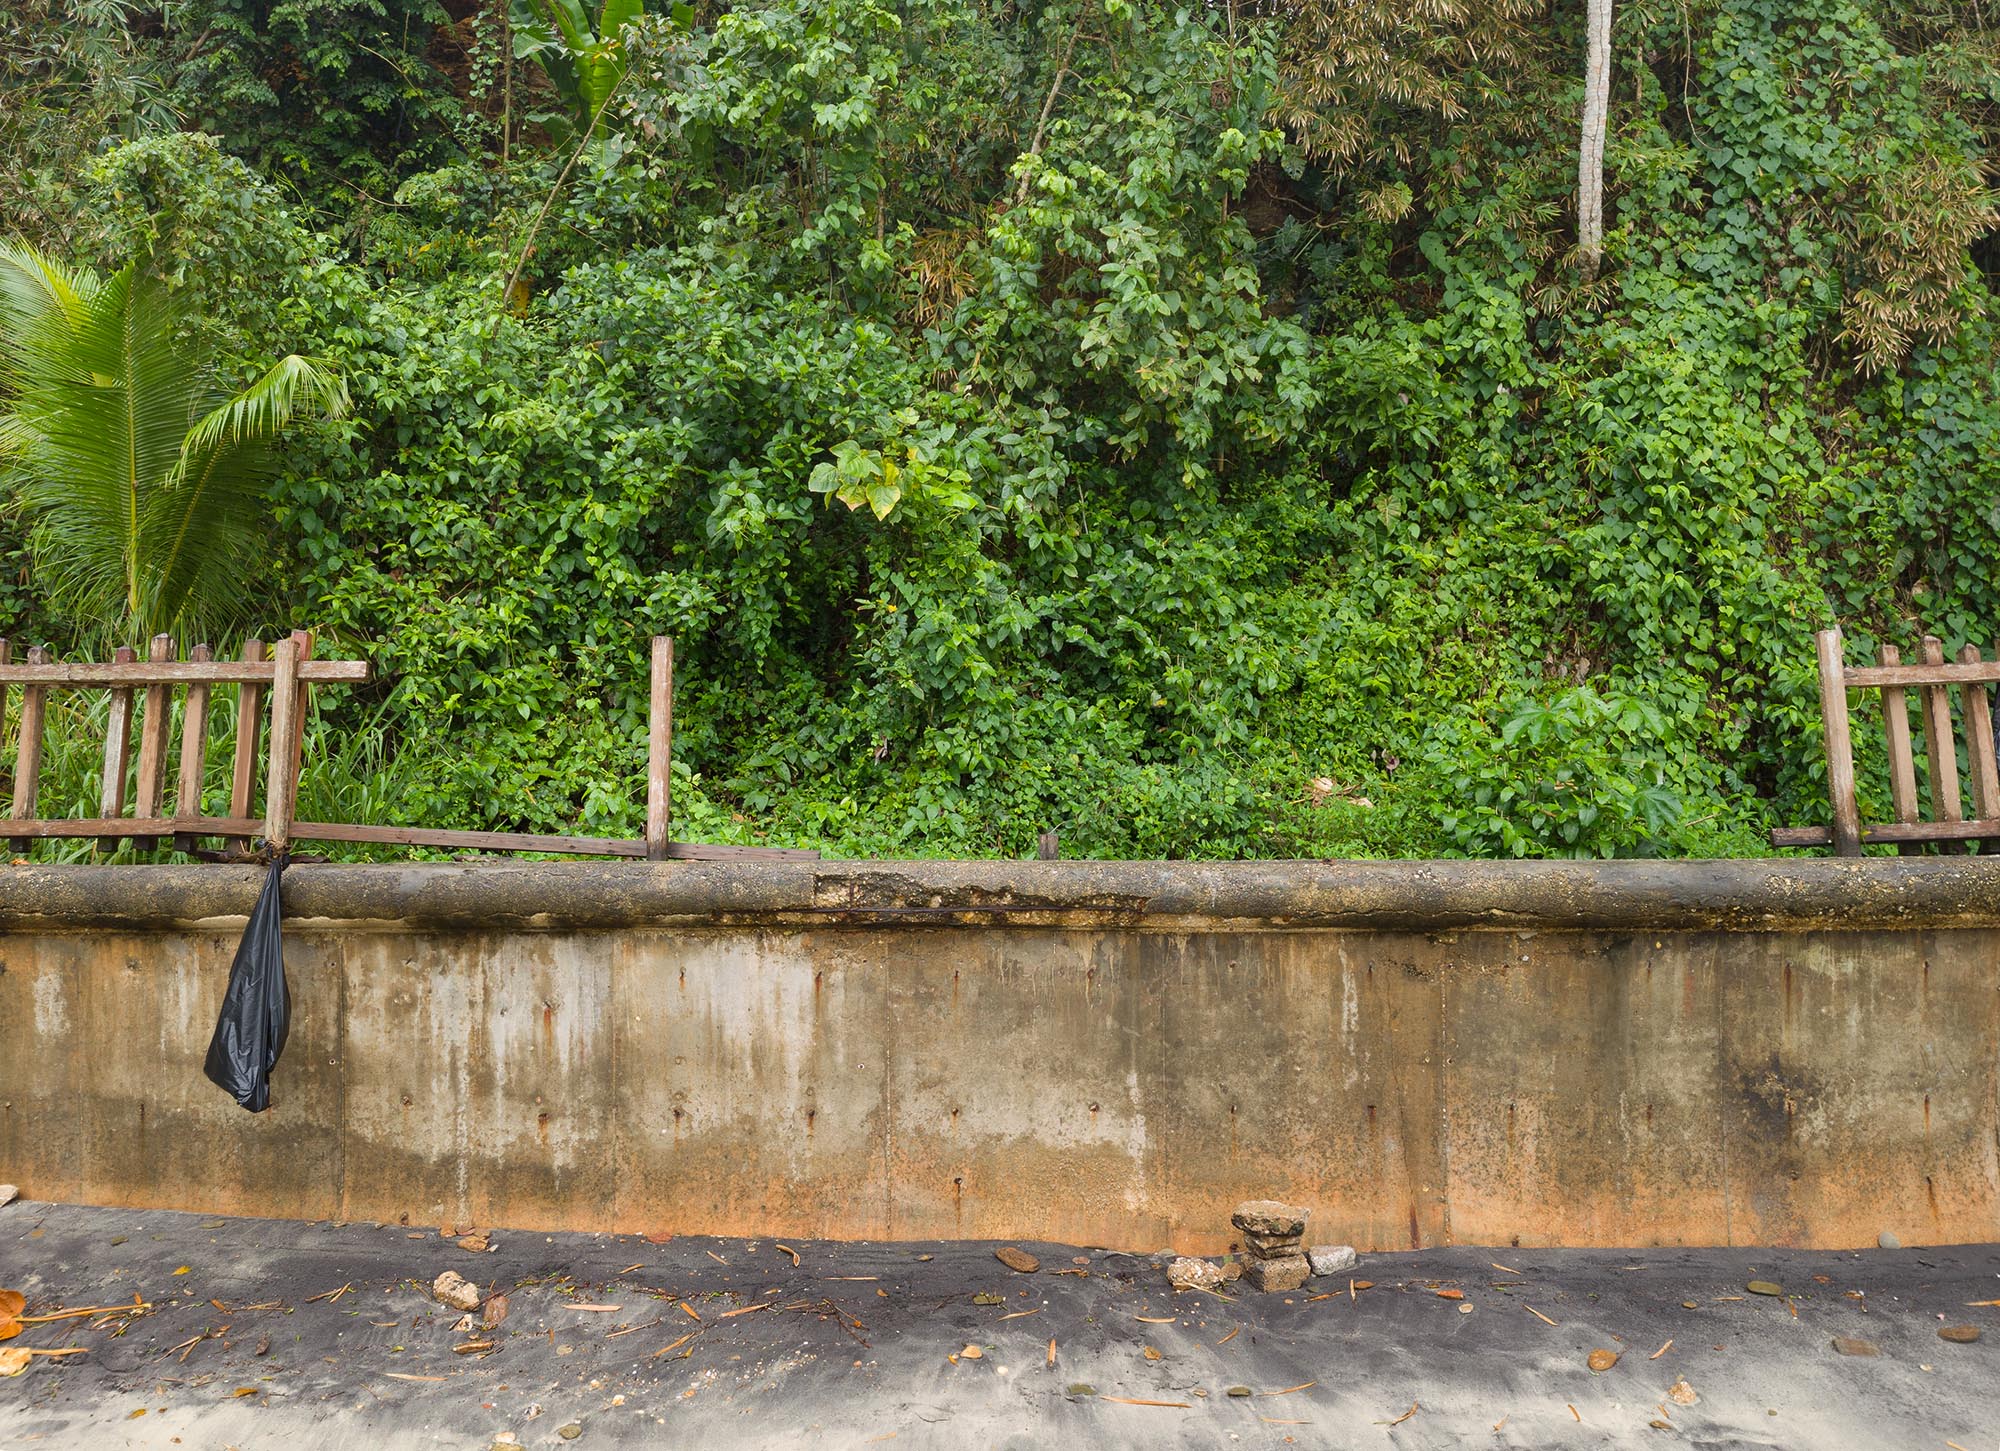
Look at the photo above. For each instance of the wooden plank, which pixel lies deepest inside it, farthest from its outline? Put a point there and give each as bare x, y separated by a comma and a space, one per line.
1940, 746
1977, 713
278, 774
183, 672
1891, 832
1846, 831
249, 725
451, 840
117, 743
194, 749
1867, 677
1896, 730
701, 851
498, 841
660, 749
102, 827
153, 742
28, 749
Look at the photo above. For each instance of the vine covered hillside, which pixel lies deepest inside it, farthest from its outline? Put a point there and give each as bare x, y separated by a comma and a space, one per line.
1204, 431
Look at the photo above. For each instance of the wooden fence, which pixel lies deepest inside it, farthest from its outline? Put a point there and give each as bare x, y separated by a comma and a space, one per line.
1932, 681
272, 698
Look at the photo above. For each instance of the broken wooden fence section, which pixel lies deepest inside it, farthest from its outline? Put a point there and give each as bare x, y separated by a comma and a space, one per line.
1932, 681
272, 691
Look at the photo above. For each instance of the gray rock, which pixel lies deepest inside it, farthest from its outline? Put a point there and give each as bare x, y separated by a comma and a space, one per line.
1332, 1259
1272, 1246
1269, 1217
1888, 1241
452, 1288
1187, 1273
1274, 1276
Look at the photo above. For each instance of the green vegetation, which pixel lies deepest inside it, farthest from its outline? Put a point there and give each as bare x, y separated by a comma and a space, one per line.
1191, 429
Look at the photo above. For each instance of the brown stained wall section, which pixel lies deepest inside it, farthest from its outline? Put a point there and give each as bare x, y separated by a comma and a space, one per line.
1785, 1053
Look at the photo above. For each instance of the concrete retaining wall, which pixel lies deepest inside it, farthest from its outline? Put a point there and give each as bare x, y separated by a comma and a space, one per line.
1796, 1052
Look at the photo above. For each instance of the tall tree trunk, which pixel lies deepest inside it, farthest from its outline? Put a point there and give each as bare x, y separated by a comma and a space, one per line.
1590, 153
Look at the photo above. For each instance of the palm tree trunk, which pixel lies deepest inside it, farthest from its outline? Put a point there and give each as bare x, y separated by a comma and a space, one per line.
1590, 153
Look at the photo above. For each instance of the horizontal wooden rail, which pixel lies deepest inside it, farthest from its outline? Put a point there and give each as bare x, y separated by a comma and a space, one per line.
112, 827
1892, 831
184, 672
1864, 677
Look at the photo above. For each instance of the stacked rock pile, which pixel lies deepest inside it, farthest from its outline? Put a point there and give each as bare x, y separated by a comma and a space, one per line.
1273, 1234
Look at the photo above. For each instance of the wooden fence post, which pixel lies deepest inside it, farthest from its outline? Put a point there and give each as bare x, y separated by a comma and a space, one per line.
1940, 742
194, 750
28, 753
304, 639
153, 743
117, 743
1978, 715
243, 768
1839, 744
280, 778
660, 749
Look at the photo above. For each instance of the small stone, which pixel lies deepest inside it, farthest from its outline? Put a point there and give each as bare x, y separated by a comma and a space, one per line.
1277, 1276
1602, 1360
1681, 1393
1849, 1345
1764, 1287
1187, 1273
453, 1289
987, 1297
1689, 1305
1017, 1259
1273, 1246
1887, 1240
1083, 1388
1332, 1259
1239, 1391
1232, 1271
8, 1194
972, 1352
569, 1432
1268, 1216
1959, 1334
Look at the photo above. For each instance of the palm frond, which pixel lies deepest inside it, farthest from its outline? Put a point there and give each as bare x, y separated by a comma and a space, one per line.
33, 284
264, 409
142, 480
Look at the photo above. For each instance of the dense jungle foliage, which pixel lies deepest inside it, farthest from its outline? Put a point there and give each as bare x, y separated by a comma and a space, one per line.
1191, 429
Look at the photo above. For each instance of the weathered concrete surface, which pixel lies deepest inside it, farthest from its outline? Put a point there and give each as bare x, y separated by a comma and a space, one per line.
854, 1348
1797, 1052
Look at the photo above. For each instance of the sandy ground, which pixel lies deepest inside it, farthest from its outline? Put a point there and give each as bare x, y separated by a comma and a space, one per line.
613, 1340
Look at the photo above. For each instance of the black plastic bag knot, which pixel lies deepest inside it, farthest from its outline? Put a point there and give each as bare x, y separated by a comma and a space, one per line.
256, 1014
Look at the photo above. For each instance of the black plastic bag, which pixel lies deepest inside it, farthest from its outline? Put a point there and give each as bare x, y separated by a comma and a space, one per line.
257, 1009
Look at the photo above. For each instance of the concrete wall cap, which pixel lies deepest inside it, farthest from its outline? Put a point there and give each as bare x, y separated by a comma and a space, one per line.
1780, 894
